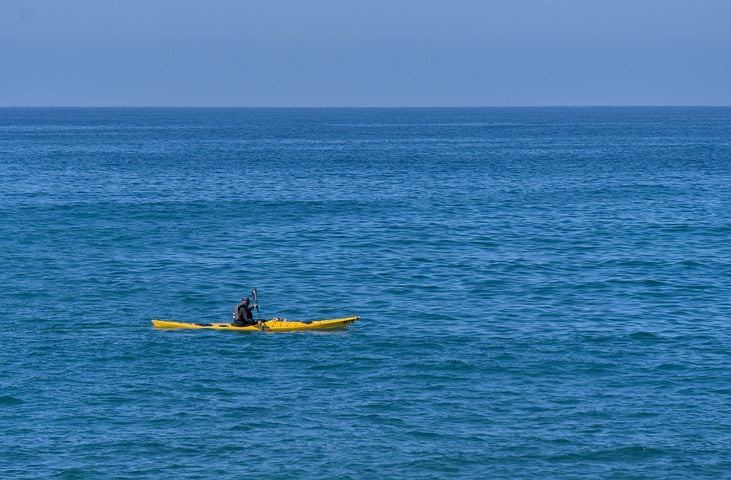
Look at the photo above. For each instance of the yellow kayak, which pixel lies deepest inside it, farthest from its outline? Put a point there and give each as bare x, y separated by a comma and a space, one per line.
273, 325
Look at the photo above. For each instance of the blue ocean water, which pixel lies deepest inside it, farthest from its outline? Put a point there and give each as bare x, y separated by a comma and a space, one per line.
544, 292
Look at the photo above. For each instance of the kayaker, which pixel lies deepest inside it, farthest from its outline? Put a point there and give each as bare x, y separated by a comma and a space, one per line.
242, 313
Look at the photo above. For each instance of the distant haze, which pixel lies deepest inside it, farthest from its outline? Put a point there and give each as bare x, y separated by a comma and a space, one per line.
364, 53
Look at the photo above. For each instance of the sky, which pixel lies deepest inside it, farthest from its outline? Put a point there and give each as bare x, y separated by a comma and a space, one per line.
364, 52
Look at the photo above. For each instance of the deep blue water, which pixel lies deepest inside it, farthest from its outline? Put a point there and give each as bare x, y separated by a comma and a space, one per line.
544, 293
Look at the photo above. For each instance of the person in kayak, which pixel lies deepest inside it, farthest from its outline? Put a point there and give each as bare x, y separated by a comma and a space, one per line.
242, 313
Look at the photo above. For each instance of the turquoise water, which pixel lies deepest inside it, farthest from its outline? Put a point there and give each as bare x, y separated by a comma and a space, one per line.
544, 293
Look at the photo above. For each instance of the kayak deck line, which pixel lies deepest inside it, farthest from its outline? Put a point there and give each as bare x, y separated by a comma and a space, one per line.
272, 325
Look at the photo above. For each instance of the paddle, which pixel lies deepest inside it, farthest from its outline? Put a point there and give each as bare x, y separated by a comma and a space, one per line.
262, 325
256, 302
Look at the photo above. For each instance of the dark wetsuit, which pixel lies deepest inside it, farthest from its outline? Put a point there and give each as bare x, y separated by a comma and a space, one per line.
244, 316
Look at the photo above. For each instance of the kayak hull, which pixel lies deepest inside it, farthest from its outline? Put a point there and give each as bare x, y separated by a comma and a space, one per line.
273, 325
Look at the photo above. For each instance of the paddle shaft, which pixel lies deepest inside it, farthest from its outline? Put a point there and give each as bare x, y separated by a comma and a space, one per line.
256, 302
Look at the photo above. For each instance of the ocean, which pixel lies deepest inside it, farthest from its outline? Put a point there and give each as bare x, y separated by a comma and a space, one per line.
543, 292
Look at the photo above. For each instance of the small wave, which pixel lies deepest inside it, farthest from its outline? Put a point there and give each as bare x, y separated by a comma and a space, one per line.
8, 400
635, 452
458, 364
645, 336
671, 366
74, 473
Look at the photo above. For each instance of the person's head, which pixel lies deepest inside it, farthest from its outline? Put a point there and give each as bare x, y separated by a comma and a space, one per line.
245, 299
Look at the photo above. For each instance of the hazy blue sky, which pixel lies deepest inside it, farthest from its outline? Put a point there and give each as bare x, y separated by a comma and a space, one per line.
365, 53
